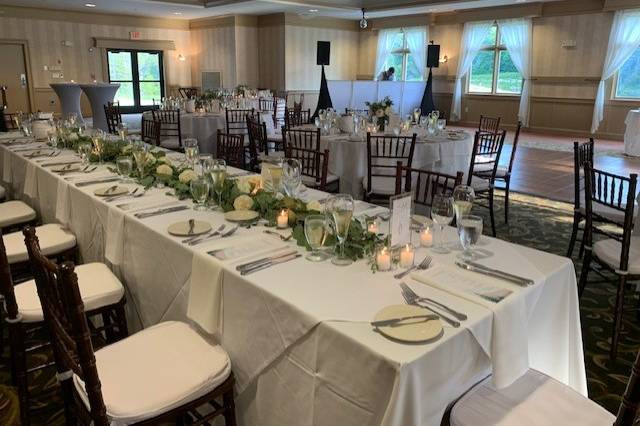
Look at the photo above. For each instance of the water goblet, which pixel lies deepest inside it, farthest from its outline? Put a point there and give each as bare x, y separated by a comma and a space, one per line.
417, 112
123, 131
469, 231
218, 174
463, 197
125, 167
200, 191
442, 215
84, 150
291, 176
442, 124
315, 231
140, 155
191, 151
341, 207
98, 140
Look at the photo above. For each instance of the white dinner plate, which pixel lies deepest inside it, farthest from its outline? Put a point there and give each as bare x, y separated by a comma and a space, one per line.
110, 191
409, 331
181, 229
241, 215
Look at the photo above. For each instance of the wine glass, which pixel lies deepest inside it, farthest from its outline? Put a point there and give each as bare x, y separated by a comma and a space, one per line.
140, 152
275, 175
191, 151
291, 176
463, 197
218, 173
123, 131
84, 150
125, 167
98, 140
469, 231
341, 208
200, 192
315, 230
442, 215
417, 112
442, 124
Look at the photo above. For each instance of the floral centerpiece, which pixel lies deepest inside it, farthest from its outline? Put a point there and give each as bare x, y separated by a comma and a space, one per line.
381, 111
242, 90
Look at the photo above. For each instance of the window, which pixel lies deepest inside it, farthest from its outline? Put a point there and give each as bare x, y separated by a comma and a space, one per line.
140, 75
628, 82
493, 71
402, 59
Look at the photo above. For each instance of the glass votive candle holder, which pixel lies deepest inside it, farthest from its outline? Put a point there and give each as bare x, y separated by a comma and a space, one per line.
407, 256
383, 259
426, 235
282, 220
373, 226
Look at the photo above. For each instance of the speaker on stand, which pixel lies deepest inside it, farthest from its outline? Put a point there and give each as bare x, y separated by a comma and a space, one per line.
433, 61
323, 57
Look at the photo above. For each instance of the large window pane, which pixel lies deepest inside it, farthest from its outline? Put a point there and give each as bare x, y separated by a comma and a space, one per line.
397, 41
120, 66
149, 66
148, 92
395, 61
490, 40
509, 79
629, 78
481, 77
124, 95
413, 72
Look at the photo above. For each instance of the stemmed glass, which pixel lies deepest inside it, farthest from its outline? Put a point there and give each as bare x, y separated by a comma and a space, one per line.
218, 176
417, 112
341, 208
123, 131
98, 140
84, 150
140, 151
469, 231
125, 167
463, 197
315, 230
200, 192
291, 176
442, 215
191, 151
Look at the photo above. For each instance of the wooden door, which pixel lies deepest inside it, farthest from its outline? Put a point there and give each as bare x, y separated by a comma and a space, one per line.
13, 75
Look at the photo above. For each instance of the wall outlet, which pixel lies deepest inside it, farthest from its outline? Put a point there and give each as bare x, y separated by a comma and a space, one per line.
57, 75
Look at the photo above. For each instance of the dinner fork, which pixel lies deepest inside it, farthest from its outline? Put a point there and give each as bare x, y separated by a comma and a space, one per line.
210, 234
459, 315
411, 300
422, 266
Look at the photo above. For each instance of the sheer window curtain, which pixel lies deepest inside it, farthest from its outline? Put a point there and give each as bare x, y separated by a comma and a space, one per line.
385, 40
417, 44
472, 37
623, 41
516, 35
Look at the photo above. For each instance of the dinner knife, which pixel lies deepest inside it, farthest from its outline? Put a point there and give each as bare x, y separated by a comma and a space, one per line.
161, 211
263, 261
527, 281
393, 321
270, 264
522, 282
93, 182
62, 163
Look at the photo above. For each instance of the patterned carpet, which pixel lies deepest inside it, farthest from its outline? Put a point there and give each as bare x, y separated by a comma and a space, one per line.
535, 222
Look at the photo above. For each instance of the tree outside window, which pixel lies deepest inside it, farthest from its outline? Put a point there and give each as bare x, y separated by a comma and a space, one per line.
628, 80
493, 71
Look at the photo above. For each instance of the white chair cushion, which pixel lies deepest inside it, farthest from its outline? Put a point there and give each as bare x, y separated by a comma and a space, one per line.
311, 182
3, 193
15, 212
534, 399
479, 184
381, 185
502, 171
157, 370
609, 250
604, 211
54, 239
98, 288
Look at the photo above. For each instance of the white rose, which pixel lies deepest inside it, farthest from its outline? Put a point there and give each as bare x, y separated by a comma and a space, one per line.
151, 159
73, 136
315, 206
187, 176
243, 202
244, 185
164, 160
164, 169
379, 113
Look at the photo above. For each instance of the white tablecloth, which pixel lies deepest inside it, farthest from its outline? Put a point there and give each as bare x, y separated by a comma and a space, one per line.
298, 334
632, 134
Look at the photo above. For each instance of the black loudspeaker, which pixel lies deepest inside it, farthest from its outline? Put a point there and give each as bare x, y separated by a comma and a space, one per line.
324, 52
433, 56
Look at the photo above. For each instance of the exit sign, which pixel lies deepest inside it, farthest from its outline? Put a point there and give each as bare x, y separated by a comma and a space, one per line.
134, 35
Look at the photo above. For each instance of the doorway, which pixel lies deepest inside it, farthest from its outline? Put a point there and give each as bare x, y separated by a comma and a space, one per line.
13, 75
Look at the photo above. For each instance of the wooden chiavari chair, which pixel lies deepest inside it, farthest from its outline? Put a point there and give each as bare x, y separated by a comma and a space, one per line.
306, 139
103, 295
150, 131
280, 106
10, 121
113, 116
296, 118
134, 381
615, 253
170, 130
188, 92
425, 184
266, 104
485, 158
231, 149
383, 154
236, 120
315, 168
489, 124
258, 143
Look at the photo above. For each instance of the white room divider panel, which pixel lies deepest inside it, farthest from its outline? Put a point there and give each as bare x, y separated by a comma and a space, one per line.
340, 94
353, 94
392, 89
363, 91
412, 96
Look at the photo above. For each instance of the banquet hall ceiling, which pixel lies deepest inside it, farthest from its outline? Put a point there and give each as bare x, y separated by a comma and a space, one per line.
194, 9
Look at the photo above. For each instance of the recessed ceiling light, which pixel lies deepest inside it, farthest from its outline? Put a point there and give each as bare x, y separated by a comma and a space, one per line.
90, 5
177, 13
313, 10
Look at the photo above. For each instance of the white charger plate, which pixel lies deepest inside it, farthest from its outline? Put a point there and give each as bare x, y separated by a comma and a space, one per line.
409, 331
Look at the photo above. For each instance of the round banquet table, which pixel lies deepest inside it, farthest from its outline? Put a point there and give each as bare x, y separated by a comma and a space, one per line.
69, 95
632, 134
348, 157
99, 94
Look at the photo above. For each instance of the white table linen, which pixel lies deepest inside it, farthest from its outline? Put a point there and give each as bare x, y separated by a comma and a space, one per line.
632, 133
298, 334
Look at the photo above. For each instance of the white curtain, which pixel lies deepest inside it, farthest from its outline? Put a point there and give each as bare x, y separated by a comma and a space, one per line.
417, 44
623, 41
472, 38
516, 36
385, 42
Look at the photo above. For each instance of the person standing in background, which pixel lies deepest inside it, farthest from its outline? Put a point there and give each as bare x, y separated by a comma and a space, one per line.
387, 75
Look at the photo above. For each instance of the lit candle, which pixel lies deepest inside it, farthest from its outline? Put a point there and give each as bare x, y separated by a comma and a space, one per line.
426, 237
383, 259
407, 255
283, 219
372, 227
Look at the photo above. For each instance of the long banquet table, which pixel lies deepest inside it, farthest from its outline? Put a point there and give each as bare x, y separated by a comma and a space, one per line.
298, 334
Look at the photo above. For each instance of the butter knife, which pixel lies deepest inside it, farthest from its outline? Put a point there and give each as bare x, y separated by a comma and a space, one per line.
269, 264
93, 182
161, 211
263, 261
393, 321
522, 282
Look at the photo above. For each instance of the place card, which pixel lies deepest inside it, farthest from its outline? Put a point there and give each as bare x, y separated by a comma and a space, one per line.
400, 219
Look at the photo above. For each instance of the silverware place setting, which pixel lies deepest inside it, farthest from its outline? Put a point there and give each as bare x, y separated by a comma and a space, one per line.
411, 298
160, 212
425, 264
267, 262
210, 236
279, 235
495, 273
394, 322
458, 315
95, 181
131, 194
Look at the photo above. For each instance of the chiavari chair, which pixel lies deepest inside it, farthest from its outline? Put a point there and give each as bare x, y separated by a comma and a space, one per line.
314, 168
102, 295
163, 373
14, 214
10, 121
266, 104
296, 138
425, 185
280, 106
170, 130
483, 168
151, 131
188, 92
296, 118
231, 149
618, 254
236, 120
258, 144
383, 154
489, 124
